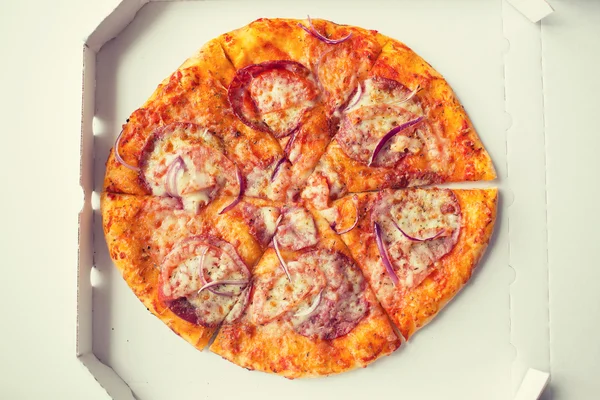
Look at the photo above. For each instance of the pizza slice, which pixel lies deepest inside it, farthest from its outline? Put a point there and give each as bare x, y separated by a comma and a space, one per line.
189, 116
187, 269
337, 56
416, 247
290, 80
402, 127
309, 312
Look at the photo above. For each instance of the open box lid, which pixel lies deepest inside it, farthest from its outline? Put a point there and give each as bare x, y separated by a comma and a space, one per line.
514, 111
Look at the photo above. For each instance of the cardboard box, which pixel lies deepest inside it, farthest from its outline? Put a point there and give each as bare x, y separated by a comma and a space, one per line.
478, 347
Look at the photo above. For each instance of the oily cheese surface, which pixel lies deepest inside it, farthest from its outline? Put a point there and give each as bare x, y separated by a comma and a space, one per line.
268, 122
275, 346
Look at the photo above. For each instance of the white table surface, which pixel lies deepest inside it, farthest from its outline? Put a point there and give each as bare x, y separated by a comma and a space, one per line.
40, 82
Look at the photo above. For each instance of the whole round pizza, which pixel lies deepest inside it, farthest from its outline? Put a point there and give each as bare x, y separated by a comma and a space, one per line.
277, 192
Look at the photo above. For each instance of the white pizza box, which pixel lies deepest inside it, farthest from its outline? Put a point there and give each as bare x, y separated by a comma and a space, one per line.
479, 347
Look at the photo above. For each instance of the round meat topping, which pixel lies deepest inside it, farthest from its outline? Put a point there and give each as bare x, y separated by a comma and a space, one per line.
183, 161
340, 306
275, 295
381, 106
188, 277
418, 228
324, 299
272, 96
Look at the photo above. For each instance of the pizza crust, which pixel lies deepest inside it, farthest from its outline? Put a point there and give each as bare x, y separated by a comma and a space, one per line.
137, 267
131, 224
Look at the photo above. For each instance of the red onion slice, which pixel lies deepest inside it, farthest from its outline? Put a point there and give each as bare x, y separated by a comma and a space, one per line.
234, 282
290, 143
286, 151
203, 279
383, 254
312, 308
356, 97
311, 30
242, 185
391, 134
118, 156
276, 247
277, 166
410, 95
201, 267
171, 176
415, 239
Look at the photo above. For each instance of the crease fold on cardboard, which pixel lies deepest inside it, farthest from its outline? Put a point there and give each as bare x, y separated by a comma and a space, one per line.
110, 26
112, 383
113, 23
508, 196
526, 177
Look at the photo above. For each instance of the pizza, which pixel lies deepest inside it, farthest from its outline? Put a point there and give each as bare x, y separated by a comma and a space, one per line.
277, 195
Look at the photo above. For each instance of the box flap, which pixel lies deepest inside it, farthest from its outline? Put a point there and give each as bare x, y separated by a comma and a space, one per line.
114, 23
527, 180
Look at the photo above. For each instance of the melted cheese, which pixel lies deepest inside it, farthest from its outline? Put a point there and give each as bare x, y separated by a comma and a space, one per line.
184, 279
297, 229
256, 181
277, 90
187, 278
193, 202
373, 94
281, 97
276, 295
172, 226
342, 303
269, 216
211, 308
330, 214
200, 175
421, 216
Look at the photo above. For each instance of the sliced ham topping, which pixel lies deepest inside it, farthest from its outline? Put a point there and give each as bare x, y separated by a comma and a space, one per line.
184, 161
296, 230
191, 264
272, 96
383, 106
417, 227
